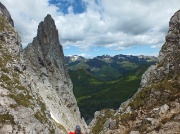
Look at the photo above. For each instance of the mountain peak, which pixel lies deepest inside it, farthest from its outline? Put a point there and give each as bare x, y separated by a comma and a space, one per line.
45, 58
48, 21
47, 35
48, 18
46, 43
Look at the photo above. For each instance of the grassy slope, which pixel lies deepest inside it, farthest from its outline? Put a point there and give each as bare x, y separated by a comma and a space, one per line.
93, 95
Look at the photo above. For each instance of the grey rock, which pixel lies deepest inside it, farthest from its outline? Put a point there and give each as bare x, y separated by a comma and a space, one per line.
35, 88
177, 118
146, 77
45, 59
134, 132
107, 123
97, 113
163, 109
128, 110
112, 124
6, 13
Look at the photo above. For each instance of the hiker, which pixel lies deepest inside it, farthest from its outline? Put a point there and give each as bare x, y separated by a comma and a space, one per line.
77, 130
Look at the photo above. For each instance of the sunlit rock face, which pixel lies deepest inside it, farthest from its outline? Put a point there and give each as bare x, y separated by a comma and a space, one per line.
45, 63
35, 89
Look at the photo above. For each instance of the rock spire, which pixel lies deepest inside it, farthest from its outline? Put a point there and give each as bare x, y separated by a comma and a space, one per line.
35, 89
45, 59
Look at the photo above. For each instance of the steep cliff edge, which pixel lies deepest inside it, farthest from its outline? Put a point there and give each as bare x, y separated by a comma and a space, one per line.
155, 108
49, 78
35, 90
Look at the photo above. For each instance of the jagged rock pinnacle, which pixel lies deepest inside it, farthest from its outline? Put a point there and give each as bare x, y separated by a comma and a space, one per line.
172, 38
46, 46
35, 82
6, 13
48, 39
45, 59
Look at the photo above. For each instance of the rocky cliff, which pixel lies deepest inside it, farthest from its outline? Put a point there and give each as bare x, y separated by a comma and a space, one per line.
35, 89
48, 76
155, 108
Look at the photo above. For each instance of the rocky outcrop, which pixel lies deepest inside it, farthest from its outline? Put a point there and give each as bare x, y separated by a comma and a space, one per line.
169, 56
155, 108
35, 90
48, 75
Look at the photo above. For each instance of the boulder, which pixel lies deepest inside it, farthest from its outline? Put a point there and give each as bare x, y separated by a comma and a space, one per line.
162, 110
111, 124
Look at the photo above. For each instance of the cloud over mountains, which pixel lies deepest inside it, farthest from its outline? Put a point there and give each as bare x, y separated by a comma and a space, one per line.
113, 24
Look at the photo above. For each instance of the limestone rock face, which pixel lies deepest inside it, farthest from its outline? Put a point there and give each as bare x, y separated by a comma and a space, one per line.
7, 32
20, 110
155, 108
172, 38
49, 78
35, 90
169, 61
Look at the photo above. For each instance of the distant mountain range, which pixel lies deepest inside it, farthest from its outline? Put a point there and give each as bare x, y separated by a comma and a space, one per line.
107, 67
105, 81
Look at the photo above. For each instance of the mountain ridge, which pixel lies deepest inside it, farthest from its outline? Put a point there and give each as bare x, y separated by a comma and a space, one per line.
107, 67
36, 91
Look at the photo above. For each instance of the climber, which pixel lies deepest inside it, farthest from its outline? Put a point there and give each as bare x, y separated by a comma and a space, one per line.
77, 130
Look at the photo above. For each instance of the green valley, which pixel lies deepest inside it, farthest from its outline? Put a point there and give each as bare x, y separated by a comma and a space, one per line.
93, 94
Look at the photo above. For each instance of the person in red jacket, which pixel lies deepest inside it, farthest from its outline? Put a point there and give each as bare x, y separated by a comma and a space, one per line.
77, 130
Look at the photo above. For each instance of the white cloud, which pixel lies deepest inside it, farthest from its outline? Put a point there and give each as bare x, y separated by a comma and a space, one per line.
27, 14
114, 24
85, 55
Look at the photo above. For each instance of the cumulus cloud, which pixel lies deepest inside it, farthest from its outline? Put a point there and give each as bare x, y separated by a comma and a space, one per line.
114, 24
27, 14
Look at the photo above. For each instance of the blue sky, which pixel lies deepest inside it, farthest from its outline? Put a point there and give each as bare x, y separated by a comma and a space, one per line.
97, 27
78, 5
